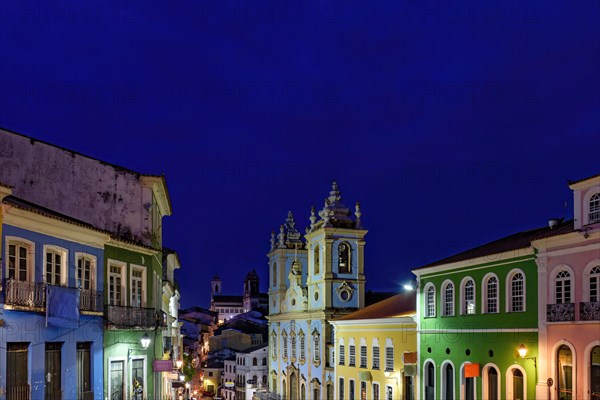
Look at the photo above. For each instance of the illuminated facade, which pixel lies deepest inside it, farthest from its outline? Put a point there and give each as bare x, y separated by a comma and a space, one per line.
310, 281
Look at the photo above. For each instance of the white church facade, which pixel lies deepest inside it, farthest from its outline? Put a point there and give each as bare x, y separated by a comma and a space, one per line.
311, 281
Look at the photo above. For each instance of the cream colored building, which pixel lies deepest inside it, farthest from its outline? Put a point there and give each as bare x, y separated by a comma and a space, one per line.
375, 351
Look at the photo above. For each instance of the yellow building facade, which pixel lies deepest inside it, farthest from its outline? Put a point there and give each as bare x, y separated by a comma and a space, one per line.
375, 351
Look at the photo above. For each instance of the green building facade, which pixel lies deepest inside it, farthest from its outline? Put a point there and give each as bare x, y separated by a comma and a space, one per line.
133, 317
476, 310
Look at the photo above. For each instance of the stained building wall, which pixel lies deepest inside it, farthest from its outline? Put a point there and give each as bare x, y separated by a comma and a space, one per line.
107, 196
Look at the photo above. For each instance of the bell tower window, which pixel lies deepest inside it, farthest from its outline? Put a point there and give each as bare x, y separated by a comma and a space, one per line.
344, 258
316, 260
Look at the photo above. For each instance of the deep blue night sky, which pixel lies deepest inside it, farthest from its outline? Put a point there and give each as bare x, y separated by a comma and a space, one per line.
453, 123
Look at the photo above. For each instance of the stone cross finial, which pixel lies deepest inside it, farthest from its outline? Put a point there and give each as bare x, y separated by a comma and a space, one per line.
272, 240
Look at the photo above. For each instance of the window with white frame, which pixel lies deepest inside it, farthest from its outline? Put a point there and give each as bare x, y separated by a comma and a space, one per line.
375, 354
389, 355
53, 267
594, 209
376, 391
448, 305
430, 301
20, 259
363, 353
137, 287
562, 287
115, 284
594, 284
317, 346
284, 339
517, 292
302, 346
293, 345
342, 355
352, 355
490, 287
86, 271
341, 389
468, 306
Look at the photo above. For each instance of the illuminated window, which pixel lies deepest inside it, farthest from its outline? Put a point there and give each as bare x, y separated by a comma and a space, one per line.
594, 209
562, 287
468, 306
430, 301
517, 292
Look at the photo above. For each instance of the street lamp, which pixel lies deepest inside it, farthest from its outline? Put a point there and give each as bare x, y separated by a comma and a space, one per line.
179, 363
523, 353
145, 340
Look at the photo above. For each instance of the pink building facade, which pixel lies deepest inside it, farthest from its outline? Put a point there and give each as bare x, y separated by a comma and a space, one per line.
568, 364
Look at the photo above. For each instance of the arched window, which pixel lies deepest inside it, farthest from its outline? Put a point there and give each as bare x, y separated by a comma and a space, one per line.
285, 345
316, 347
448, 299
562, 287
264, 361
517, 292
468, 297
430, 302
302, 392
344, 258
564, 373
595, 373
293, 345
302, 346
316, 260
594, 284
594, 209
492, 383
490, 301
518, 384
274, 344
254, 361
429, 381
448, 381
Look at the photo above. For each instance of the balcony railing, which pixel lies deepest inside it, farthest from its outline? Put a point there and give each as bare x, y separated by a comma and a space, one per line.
91, 300
18, 392
24, 294
121, 317
589, 311
560, 312
32, 295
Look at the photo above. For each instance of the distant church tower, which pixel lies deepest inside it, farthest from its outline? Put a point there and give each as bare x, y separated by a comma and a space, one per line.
216, 287
251, 292
309, 283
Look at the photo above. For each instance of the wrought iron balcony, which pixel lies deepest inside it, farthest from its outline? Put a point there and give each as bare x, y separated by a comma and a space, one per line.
91, 300
121, 317
589, 311
560, 312
31, 295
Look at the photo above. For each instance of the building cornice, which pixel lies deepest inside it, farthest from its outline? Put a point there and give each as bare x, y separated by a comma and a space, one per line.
53, 227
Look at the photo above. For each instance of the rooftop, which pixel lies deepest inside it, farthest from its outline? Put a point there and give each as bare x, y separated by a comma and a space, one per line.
515, 241
400, 305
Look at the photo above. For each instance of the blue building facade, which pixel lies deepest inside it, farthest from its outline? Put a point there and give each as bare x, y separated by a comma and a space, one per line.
51, 303
310, 281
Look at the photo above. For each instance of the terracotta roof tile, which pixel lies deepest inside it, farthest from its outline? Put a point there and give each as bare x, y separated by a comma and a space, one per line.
515, 241
402, 304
